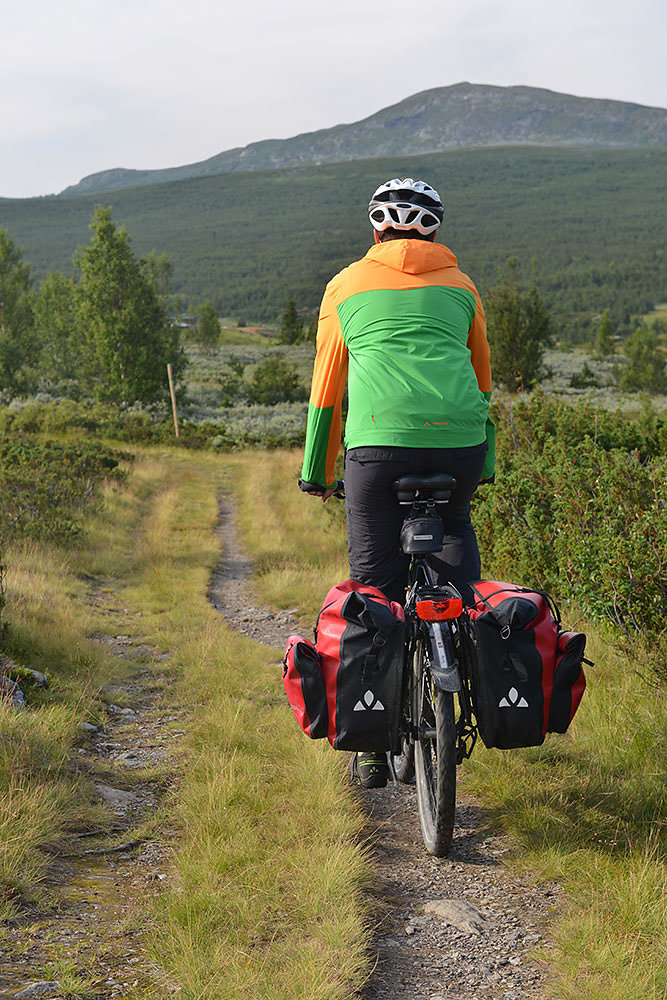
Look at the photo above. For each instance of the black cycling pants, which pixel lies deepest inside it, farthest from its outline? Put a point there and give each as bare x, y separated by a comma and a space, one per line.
374, 517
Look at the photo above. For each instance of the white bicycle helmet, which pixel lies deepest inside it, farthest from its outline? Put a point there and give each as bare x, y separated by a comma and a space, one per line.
406, 204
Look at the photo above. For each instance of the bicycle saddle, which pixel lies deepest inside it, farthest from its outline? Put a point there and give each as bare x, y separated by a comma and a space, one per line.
436, 486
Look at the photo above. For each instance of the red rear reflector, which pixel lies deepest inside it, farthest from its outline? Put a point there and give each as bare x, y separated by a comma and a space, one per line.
439, 609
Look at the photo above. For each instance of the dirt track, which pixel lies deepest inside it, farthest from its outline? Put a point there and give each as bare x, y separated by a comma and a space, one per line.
480, 943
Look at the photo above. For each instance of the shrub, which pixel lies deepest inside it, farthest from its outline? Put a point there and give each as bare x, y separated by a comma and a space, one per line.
519, 331
646, 363
46, 485
581, 512
585, 379
275, 380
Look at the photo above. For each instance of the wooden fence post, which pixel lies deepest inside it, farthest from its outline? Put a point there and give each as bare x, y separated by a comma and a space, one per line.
173, 399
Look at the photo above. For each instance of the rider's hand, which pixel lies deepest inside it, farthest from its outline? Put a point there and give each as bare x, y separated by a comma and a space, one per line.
315, 490
324, 494
330, 492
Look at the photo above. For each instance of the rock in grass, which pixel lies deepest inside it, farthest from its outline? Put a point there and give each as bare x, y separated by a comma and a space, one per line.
42, 989
16, 672
11, 692
34, 677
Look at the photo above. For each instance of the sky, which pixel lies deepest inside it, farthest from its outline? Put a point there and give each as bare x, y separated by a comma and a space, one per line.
88, 85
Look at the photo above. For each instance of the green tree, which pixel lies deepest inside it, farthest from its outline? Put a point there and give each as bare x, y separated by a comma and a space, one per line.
519, 330
16, 315
310, 335
57, 328
126, 326
233, 386
646, 363
604, 341
291, 325
585, 379
276, 381
208, 326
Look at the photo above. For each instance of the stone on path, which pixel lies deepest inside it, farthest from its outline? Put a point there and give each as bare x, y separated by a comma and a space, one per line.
458, 913
117, 798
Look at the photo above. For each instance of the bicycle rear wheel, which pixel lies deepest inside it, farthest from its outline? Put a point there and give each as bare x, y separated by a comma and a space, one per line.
435, 756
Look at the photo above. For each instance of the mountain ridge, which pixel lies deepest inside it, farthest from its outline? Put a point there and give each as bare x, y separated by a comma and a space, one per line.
460, 116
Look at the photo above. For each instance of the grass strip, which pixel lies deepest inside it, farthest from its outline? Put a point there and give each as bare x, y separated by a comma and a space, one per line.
586, 809
41, 794
265, 900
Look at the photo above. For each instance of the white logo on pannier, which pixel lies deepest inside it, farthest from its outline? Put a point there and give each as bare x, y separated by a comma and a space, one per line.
513, 700
369, 703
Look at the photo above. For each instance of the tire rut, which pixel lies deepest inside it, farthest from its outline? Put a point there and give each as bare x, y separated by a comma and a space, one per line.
85, 935
460, 928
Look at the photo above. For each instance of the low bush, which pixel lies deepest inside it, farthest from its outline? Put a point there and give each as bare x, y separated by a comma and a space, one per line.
580, 511
46, 486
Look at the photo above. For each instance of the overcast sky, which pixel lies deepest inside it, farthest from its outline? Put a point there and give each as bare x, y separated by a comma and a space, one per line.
86, 85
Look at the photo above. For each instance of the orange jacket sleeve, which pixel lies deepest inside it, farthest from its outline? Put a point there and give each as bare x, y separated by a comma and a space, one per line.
323, 431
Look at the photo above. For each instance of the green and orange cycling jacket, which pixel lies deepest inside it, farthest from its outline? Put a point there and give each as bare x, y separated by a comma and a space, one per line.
406, 329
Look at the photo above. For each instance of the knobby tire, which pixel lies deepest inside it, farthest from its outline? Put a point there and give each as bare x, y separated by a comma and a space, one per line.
435, 757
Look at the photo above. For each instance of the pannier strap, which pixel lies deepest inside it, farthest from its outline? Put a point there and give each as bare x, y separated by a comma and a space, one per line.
500, 617
356, 607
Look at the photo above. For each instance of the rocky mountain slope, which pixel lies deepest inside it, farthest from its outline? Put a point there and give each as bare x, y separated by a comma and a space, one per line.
464, 115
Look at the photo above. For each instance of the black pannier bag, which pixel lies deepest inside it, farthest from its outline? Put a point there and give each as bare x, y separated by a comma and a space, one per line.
347, 686
527, 676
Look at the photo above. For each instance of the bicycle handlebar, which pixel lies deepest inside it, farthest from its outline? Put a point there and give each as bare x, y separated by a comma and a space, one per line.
318, 490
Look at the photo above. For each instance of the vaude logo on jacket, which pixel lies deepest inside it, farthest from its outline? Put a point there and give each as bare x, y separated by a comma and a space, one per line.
369, 704
512, 700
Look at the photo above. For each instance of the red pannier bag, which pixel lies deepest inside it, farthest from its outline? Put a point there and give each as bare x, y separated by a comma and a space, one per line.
347, 686
304, 687
527, 675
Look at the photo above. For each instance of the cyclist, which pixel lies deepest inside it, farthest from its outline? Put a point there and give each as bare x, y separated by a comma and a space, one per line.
405, 329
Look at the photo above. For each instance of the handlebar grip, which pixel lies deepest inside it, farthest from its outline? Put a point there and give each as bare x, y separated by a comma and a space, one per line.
306, 487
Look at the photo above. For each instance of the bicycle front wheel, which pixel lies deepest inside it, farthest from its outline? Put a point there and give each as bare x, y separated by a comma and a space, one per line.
435, 756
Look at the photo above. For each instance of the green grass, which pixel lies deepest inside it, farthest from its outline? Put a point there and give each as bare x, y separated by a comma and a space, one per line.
41, 794
264, 897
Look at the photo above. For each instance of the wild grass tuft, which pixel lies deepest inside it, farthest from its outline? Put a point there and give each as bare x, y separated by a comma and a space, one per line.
589, 810
40, 794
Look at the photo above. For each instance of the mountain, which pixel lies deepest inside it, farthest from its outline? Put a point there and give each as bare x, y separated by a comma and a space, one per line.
465, 115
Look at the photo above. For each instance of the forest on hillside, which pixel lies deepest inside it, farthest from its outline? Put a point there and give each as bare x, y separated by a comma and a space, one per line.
588, 226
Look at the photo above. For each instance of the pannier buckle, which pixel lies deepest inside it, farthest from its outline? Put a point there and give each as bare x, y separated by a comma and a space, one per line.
505, 632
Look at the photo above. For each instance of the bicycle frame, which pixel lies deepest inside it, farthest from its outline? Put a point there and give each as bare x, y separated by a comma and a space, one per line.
447, 663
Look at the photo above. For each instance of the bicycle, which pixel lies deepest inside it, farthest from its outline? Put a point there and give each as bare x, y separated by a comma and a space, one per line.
436, 730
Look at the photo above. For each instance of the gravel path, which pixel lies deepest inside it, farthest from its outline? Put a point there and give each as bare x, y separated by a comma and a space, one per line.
460, 928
